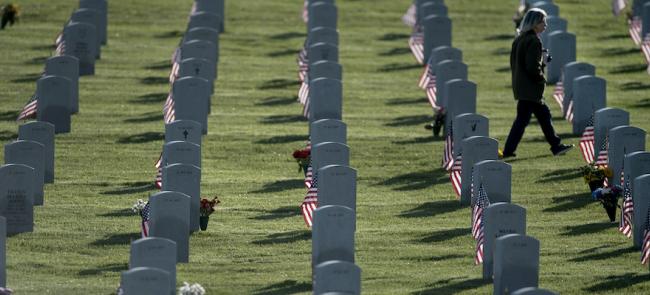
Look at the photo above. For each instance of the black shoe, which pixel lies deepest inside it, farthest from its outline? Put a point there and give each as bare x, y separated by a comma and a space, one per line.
505, 156
561, 149
428, 126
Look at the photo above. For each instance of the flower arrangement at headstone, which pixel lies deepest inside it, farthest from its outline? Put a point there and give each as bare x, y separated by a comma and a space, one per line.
302, 157
138, 207
207, 208
608, 197
194, 289
141, 207
595, 175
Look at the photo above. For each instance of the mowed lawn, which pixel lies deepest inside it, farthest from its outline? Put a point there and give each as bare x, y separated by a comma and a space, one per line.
412, 235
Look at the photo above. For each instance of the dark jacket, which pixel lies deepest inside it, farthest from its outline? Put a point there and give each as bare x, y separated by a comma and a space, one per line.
527, 69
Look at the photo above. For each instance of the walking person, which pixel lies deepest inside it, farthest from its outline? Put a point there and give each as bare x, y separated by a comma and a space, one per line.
528, 84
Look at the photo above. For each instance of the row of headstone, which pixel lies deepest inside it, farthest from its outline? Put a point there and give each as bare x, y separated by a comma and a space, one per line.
333, 181
481, 180
173, 213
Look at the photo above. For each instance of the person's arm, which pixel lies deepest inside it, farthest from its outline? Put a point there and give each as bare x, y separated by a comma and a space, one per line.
534, 62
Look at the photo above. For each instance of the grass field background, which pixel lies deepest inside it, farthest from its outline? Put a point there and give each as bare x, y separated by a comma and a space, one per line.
412, 235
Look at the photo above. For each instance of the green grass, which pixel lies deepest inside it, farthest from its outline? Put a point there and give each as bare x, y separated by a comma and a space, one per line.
412, 236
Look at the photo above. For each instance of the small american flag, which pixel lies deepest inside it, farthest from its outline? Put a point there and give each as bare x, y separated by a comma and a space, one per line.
645, 49
602, 154
569, 112
478, 227
169, 112
618, 6
305, 11
635, 30
558, 94
425, 77
303, 92
303, 64
60, 49
587, 142
158, 166
176, 56
145, 220
29, 110
645, 247
310, 202
409, 18
448, 153
428, 83
416, 44
173, 74
456, 174
627, 213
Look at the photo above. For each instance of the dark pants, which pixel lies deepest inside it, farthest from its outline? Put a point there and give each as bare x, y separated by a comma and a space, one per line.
524, 111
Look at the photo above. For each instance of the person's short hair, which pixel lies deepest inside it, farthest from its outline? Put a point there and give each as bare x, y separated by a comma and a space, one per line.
533, 17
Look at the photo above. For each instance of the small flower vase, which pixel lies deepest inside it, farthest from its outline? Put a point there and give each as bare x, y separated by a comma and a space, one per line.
203, 222
610, 208
596, 184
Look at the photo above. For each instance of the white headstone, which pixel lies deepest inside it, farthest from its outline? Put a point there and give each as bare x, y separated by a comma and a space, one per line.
191, 99
516, 263
467, 125
437, 32
337, 277
328, 130
562, 47
155, 252
43, 133
326, 99
66, 66
93, 17
145, 281
333, 234
54, 102
169, 218
589, 95
186, 179
32, 154
475, 149
183, 130
337, 185
500, 219
81, 42
17, 198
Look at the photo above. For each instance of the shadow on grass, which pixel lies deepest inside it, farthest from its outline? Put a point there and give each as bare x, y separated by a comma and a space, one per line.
589, 228
502, 69
279, 186
113, 267
393, 36
445, 235
37, 61
634, 86
131, 188
415, 180
141, 137
146, 117
282, 139
285, 287
570, 202
395, 51
604, 255
430, 209
644, 103
161, 65
287, 36
616, 282
43, 47
117, 239
154, 80
561, 174
631, 68
403, 101
9, 115
282, 212
614, 36
272, 101
8, 135
27, 78
278, 84
394, 67
170, 34
501, 51
426, 139
452, 286
119, 213
410, 120
435, 258
499, 37
282, 119
283, 52
151, 98
618, 51
285, 237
